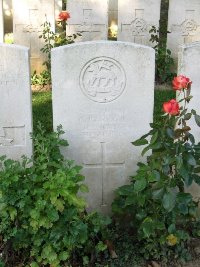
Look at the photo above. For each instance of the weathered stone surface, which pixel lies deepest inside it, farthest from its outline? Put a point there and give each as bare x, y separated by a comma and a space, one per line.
103, 96
183, 24
28, 16
15, 102
89, 17
189, 65
1, 22
135, 19
58, 7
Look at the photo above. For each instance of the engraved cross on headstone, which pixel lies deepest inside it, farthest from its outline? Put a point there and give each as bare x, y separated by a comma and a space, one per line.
88, 28
138, 28
29, 32
188, 27
104, 165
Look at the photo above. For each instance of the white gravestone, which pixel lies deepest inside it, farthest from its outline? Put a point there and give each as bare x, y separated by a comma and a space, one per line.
1, 22
135, 19
15, 102
28, 16
89, 17
103, 94
58, 7
183, 24
189, 65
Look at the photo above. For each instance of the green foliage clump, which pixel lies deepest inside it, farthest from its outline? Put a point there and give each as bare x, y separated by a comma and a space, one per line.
44, 78
43, 219
164, 61
156, 205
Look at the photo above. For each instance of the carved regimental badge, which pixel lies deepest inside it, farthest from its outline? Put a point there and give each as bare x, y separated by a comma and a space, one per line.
189, 27
102, 79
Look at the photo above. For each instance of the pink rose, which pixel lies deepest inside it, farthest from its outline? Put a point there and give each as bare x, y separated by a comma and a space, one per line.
181, 82
64, 16
171, 107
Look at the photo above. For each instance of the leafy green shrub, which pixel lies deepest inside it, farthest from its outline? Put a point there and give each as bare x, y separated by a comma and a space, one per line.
155, 203
43, 219
42, 79
164, 61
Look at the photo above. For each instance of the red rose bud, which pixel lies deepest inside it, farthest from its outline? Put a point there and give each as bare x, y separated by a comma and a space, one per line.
171, 107
64, 16
181, 82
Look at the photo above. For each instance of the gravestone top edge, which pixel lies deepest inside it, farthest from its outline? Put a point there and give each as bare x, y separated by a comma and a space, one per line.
91, 43
14, 46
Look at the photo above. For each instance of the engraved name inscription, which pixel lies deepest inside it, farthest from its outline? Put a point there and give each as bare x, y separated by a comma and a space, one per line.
104, 125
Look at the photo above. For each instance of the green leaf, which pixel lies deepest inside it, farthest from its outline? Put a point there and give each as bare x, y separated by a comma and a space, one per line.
140, 142
84, 188
172, 228
197, 169
145, 150
196, 178
101, 246
170, 132
64, 256
188, 116
169, 200
191, 160
158, 194
34, 264
184, 173
125, 190
140, 185
154, 176
154, 138
197, 119
179, 161
193, 112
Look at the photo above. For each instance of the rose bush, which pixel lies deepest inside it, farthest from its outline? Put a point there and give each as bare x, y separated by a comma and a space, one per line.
159, 210
52, 40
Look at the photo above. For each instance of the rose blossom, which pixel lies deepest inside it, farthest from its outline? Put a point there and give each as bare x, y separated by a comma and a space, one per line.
171, 107
181, 82
63, 16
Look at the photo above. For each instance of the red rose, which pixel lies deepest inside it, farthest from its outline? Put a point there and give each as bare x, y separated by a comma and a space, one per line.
171, 107
63, 16
181, 82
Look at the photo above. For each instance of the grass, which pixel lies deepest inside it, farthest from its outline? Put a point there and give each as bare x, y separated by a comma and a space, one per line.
42, 110
42, 107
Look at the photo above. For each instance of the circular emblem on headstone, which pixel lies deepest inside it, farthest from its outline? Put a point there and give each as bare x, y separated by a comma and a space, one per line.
102, 79
189, 27
139, 26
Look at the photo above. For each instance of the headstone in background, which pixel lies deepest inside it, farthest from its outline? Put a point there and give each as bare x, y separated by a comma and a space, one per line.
113, 12
58, 7
1, 22
135, 19
15, 102
28, 16
183, 24
89, 17
189, 65
103, 94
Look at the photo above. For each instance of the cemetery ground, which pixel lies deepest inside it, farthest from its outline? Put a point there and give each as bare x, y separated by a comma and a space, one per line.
124, 243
